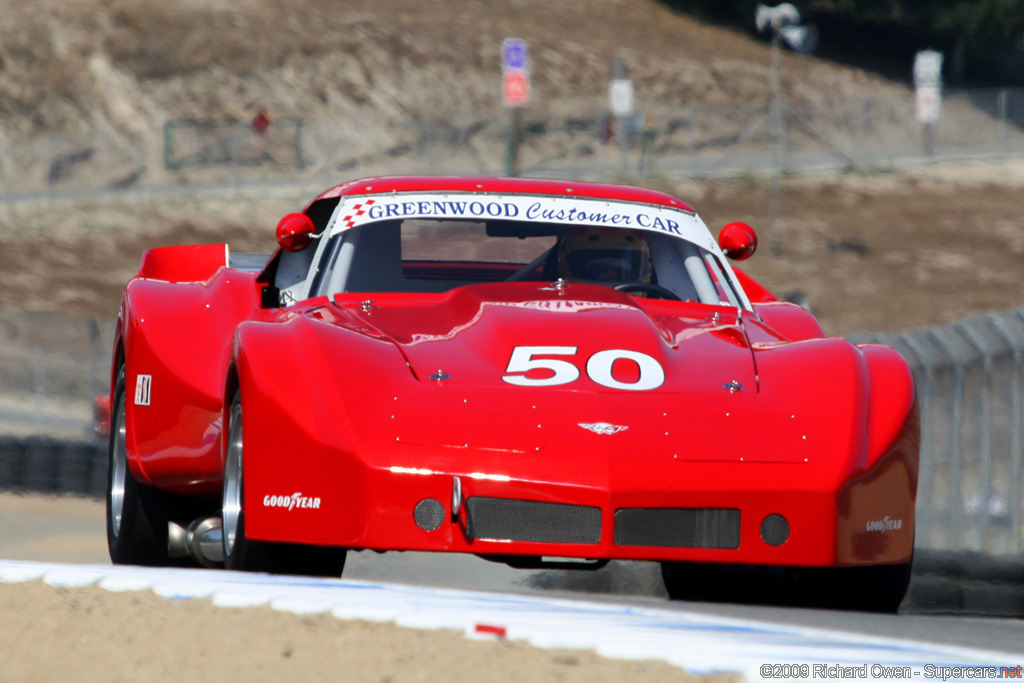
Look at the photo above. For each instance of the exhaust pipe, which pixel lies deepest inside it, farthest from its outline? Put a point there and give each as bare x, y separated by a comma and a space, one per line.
202, 541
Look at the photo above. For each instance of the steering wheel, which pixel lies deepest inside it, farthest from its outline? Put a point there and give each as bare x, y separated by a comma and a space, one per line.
647, 288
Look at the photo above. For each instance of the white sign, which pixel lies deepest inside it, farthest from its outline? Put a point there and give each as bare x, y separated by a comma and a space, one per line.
928, 69
620, 97
928, 103
928, 85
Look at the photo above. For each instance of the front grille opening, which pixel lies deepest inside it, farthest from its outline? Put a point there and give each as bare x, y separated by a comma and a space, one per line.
678, 527
529, 520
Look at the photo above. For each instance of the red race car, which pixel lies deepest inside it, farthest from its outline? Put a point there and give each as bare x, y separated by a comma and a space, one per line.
544, 373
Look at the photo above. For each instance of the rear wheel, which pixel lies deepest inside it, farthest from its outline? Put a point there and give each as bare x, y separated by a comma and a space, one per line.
137, 515
878, 588
244, 554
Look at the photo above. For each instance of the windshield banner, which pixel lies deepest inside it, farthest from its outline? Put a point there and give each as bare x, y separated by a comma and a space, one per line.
360, 210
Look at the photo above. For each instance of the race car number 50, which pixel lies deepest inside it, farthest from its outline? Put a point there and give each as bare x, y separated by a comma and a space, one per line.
598, 367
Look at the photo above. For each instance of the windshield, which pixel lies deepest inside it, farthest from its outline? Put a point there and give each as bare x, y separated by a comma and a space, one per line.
521, 238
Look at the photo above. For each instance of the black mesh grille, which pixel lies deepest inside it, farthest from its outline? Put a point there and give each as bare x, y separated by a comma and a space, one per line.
527, 520
678, 527
428, 514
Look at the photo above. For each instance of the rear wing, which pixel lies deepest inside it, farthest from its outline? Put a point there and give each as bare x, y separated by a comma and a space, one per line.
195, 262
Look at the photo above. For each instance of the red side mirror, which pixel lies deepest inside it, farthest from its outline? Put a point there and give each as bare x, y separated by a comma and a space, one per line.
738, 241
295, 232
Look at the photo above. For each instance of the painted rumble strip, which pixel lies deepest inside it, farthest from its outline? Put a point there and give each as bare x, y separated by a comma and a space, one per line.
699, 643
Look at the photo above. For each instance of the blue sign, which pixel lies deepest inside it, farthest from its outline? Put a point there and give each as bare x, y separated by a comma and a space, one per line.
515, 56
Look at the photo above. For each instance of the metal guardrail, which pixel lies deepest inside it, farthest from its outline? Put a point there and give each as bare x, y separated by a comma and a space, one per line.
970, 383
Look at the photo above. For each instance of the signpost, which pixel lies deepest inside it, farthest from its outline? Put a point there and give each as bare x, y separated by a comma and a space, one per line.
515, 71
620, 103
620, 97
928, 93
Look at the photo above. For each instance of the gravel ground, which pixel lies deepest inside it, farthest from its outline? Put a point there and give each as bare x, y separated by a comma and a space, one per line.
90, 634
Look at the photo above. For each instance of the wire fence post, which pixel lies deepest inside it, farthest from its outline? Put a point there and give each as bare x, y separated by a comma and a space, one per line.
954, 504
1004, 141
690, 119
39, 388
984, 495
236, 157
1015, 340
862, 125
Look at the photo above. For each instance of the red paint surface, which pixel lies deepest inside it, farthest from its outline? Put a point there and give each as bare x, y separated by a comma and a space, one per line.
338, 405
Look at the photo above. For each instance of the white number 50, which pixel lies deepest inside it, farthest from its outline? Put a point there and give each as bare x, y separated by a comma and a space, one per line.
599, 368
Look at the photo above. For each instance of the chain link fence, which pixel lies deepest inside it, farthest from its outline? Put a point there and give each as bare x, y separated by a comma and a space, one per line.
693, 141
51, 369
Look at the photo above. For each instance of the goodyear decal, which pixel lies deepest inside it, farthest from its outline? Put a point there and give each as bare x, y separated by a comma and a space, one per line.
884, 524
296, 500
356, 211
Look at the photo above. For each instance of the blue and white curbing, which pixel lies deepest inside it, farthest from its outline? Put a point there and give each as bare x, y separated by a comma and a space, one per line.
699, 643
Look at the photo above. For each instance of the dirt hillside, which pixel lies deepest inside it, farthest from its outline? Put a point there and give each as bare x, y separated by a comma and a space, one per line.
871, 253
884, 251
128, 65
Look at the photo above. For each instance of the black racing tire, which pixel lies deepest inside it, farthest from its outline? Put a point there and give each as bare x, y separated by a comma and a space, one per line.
695, 581
878, 588
650, 289
137, 515
244, 554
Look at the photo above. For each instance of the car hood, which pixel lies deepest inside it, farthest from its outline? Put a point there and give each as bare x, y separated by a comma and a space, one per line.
576, 338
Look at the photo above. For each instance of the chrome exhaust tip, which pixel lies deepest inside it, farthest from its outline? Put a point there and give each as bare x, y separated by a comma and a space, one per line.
202, 541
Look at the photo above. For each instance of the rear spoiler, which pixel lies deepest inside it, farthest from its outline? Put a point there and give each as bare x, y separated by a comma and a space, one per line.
195, 262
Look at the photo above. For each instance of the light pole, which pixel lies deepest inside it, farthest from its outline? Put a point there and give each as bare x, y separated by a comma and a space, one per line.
778, 144
784, 23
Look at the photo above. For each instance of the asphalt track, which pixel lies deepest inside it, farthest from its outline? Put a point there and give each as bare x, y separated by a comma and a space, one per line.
623, 599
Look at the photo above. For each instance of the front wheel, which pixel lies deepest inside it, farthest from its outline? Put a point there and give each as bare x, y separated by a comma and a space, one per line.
244, 554
137, 515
